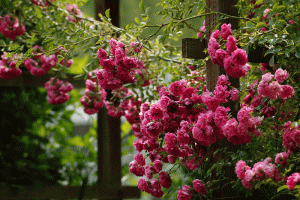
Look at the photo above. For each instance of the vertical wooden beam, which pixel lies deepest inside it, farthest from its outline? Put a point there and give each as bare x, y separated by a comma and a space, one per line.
102, 5
109, 149
213, 71
109, 133
113, 5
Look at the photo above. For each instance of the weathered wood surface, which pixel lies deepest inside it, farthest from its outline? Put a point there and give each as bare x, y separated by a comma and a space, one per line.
193, 48
213, 71
109, 132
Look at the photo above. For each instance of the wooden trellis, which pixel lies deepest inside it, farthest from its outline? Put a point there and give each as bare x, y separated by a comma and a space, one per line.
193, 48
109, 144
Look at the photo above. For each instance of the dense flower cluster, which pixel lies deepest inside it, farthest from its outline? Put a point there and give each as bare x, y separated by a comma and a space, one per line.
58, 91
8, 69
73, 9
238, 133
39, 64
123, 103
42, 3
199, 186
202, 30
94, 96
10, 27
233, 59
291, 137
119, 68
261, 170
281, 158
184, 125
186, 192
293, 180
268, 87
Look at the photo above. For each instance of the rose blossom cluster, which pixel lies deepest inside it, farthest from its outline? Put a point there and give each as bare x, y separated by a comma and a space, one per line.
94, 96
42, 3
119, 102
237, 132
123, 103
293, 180
202, 30
73, 9
39, 64
281, 158
119, 68
151, 185
233, 59
10, 27
186, 192
8, 69
261, 170
291, 137
171, 114
255, 99
189, 122
269, 85
58, 91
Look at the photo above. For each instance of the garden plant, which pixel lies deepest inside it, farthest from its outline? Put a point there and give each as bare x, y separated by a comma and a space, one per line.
231, 142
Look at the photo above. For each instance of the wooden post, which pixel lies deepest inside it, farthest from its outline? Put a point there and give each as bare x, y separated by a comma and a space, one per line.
102, 5
109, 133
213, 71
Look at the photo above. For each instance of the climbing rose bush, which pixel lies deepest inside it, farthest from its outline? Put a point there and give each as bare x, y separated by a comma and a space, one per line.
178, 120
10, 27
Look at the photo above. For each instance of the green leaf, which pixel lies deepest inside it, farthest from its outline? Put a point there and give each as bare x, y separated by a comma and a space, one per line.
249, 25
258, 2
282, 187
297, 187
290, 167
107, 13
271, 62
141, 6
2, 43
287, 52
260, 25
38, 11
269, 51
297, 54
137, 20
76, 141
280, 8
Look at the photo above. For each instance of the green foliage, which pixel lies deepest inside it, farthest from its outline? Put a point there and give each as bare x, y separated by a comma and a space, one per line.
24, 159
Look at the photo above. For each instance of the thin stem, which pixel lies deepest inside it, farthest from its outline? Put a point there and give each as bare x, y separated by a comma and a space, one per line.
150, 36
